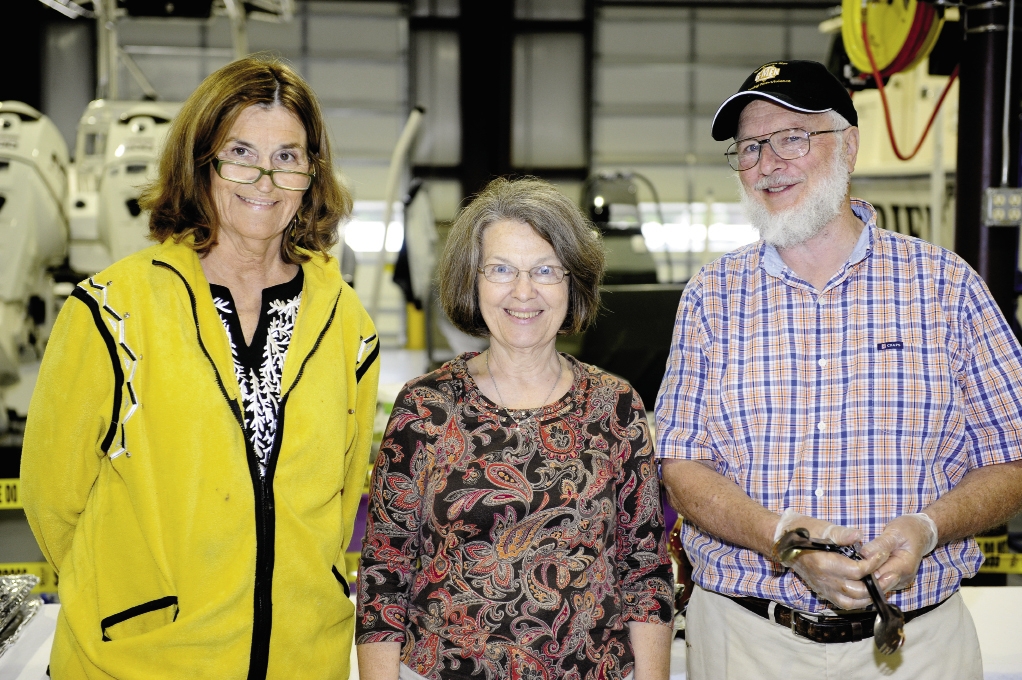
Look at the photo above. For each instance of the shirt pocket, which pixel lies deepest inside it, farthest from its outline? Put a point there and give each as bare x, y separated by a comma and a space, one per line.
909, 390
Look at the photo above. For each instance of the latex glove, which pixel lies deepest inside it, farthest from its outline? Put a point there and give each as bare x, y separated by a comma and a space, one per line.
900, 548
833, 577
818, 528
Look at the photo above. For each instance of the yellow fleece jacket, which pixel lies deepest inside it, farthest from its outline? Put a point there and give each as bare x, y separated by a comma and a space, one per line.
175, 558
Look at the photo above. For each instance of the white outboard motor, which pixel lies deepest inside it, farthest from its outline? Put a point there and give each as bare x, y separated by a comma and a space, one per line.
33, 231
118, 150
132, 153
86, 254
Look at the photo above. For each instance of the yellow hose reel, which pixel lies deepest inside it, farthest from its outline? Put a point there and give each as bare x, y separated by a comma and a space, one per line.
882, 38
901, 33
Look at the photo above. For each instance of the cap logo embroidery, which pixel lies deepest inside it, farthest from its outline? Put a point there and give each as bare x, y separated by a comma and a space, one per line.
767, 72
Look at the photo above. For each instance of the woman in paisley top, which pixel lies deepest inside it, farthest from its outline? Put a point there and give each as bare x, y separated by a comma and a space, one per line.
515, 527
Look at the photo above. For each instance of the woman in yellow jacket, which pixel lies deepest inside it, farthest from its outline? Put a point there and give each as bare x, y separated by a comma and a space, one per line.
199, 434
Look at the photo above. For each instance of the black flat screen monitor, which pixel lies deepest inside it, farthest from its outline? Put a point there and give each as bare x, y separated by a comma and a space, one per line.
632, 335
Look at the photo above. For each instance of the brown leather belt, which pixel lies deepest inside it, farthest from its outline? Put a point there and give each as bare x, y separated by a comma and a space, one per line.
840, 628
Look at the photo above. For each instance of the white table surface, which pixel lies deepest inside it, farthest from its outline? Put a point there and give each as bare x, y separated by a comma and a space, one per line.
998, 616
29, 657
996, 611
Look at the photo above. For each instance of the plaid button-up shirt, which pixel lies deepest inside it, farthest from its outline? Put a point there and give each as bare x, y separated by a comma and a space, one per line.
855, 404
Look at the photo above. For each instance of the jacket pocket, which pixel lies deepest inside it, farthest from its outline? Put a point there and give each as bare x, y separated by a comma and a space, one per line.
140, 619
340, 579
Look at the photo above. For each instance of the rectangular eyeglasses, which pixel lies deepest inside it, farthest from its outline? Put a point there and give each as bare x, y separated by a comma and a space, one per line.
243, 173
787, 145
545, 274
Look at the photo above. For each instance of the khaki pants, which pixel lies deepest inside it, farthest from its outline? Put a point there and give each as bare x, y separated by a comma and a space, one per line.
725, 641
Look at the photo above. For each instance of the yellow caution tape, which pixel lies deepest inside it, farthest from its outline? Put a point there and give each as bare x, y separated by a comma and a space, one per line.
47, 577
997, 557
9, 498
993, 545
1008, 563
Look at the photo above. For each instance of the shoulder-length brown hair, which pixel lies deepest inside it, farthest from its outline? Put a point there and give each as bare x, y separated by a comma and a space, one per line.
180, 199
555, 218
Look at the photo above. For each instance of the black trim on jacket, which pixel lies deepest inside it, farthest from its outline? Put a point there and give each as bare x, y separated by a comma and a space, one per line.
367, 363
262, 485
266, 525
111, 346
343, 581
326, 327
235, 409
262, 596
138, 610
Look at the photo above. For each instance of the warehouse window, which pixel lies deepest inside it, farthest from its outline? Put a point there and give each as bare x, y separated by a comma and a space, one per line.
355, 56
659, 76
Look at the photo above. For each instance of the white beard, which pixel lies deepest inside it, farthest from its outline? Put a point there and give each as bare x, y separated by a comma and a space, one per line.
823, 202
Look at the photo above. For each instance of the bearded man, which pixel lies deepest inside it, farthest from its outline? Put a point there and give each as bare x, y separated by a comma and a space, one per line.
854, 382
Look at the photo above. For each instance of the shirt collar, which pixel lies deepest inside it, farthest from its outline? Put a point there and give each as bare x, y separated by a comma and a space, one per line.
773, 265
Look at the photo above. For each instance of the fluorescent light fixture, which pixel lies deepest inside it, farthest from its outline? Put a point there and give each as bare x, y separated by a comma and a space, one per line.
69, 9
366, 236
689, 228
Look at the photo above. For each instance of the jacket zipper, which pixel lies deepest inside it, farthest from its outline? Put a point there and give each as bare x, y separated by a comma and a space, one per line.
266, 527
265, 512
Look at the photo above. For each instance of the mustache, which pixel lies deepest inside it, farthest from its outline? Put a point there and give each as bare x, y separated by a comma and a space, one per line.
778, 180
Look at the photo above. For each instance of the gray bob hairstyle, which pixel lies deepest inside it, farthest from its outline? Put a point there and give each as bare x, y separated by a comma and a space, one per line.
555, 218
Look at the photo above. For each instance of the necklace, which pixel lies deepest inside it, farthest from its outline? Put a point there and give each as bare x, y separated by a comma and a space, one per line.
529, 412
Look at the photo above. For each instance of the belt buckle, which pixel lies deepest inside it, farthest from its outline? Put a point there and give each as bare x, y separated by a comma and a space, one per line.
795, 617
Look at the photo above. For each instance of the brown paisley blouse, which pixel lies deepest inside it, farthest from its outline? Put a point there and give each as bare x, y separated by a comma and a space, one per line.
496, 549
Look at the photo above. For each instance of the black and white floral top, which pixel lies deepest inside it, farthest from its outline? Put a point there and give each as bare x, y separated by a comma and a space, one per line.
259, 366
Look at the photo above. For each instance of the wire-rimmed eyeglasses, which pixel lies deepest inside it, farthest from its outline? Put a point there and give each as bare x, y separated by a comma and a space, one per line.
787, 145
243, 173
545, 274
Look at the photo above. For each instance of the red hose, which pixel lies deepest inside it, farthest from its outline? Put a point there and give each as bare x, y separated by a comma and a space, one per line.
883, 97
920, 30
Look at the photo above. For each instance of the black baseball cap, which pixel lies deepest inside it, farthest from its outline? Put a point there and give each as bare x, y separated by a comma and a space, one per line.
805, 86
